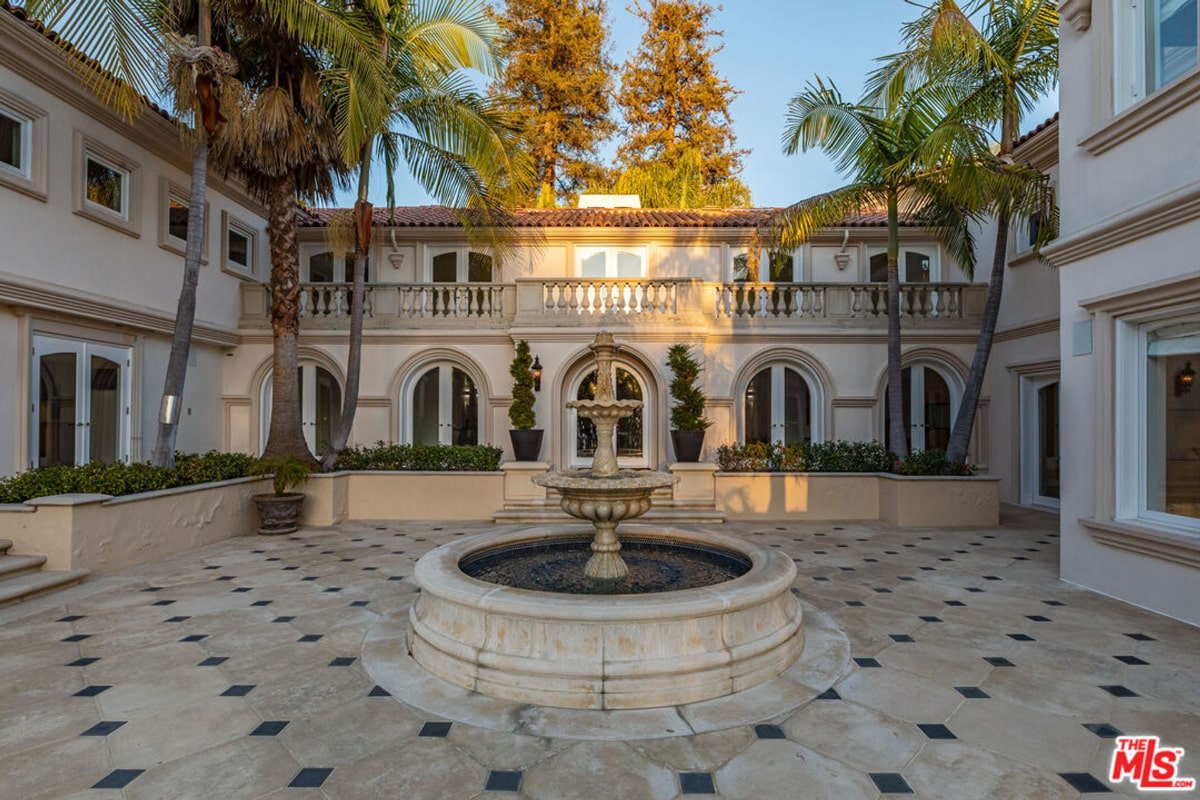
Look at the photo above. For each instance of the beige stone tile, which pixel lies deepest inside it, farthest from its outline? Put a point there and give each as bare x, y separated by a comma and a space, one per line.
48, 721
279, 663
782, 769
37, 686
40, 773
247, 767
900, 695
598, 771
857, 735
308, 693
961, 667
170, 689
1016, 731
422, 768
1052, 690
181, 731
350, 731
702, 752
961, 771
502, 750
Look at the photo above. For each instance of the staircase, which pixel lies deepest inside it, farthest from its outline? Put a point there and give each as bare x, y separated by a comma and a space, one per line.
22, 577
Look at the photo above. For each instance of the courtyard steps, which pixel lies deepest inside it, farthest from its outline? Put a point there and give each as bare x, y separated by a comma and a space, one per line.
22, 576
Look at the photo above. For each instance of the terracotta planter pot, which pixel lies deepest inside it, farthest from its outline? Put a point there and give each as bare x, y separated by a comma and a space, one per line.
278, 513
527, 445
688, 445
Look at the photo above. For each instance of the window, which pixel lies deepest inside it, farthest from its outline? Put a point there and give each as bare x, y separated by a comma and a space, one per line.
599, 262
773, 267
23, 133
1159, 433
460, 265
1156, 44
320, 266
238, 247
780, 405
107, 186
444, 407
916, 266
173, 219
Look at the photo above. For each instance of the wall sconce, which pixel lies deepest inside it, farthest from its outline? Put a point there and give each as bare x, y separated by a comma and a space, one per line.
536, 369
1184, 379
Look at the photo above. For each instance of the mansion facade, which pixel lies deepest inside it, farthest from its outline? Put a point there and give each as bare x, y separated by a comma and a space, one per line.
793, 345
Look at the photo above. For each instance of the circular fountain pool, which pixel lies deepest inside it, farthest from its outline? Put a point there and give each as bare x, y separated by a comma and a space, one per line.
618, 651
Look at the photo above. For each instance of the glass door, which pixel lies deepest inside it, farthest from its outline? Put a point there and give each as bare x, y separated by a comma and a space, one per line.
778, 407
631, 431
80, 409
1039, 441
445, 407
320, 406
929, 408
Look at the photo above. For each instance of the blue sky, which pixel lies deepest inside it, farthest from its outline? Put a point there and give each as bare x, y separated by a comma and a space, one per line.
772, 48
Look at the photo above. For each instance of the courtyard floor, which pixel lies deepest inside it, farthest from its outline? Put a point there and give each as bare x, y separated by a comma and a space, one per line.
237, 671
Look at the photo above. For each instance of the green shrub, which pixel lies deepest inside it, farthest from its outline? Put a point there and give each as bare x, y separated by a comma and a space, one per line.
687, 413
521, 414
286, 472
420, 457
931, 462
123, 479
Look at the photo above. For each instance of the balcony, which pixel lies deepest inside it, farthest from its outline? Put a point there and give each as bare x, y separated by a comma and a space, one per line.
582, 302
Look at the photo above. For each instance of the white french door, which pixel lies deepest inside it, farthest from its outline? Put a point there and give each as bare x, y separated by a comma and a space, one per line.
79, 409
1039, 441
631, 436
320, 406
778, 407
445, 407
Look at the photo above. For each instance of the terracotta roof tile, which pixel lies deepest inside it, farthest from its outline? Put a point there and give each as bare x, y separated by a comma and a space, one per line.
1031, 134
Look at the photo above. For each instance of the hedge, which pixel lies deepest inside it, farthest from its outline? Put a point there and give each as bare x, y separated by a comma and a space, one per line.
838, 456
420, 458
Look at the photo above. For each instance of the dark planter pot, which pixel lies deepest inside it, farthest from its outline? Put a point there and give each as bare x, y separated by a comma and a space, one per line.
688, 445
278, 513
527, 445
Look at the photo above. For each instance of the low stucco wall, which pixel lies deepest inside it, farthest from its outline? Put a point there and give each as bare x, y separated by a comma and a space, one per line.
102, 533
895, 499
424, 495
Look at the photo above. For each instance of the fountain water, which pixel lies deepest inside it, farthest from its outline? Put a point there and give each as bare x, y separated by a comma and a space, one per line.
487, 621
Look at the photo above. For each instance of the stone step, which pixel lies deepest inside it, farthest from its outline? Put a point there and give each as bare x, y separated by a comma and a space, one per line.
535, 514
4, 545
11, 565
22, 587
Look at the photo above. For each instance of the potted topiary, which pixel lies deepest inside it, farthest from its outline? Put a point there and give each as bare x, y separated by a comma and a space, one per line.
526, 439
687, 412
280, 512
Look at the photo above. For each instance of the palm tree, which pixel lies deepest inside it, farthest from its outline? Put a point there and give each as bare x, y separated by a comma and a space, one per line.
1004, 65
678, 184
915, 153
459, 144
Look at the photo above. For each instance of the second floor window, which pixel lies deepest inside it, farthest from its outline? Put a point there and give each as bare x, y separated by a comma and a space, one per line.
1156, 44
916, 266
600, 262
460, 265
773, 267
319, 265
14, 142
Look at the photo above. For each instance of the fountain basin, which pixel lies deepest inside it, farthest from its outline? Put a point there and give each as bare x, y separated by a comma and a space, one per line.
605, 652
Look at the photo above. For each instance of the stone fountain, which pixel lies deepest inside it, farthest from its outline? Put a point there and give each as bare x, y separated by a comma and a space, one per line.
605, 495
691, 616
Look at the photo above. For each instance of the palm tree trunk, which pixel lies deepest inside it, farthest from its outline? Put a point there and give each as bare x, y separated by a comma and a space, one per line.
363, 213
895, 370
286, 436
185, 310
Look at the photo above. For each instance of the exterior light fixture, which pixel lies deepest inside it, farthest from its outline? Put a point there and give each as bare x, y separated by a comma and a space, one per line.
1183, 379
536, 369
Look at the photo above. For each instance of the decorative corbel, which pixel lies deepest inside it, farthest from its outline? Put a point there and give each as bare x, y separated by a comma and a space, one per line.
1077, 12
842, 257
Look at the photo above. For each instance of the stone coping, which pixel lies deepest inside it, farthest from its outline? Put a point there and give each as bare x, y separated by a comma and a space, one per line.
824, 661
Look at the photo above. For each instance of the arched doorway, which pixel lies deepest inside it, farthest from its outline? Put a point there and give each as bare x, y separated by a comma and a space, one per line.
931, 397
443, 406
632, 434
781, 403
320, 405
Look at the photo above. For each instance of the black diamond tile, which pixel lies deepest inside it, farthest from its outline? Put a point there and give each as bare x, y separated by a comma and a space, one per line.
1103, 730
309, 578
883, 591
326, 552
931, 619
176, 619
359, 603
238, 690
1117, 690
945, 558
955, 603
370, 569
696, 783
83, 662
1132, 661
378, 691
929, 569
972, 692
992, 578
1137, 637
260, 603
242, 589
74, 617
213, 661
1039, 618
901, 637
867, 662
1020, 558
396, 578
334, 589
273, 559
500, 780
213, 566
829, 694
283, 619
164, 603
769, 732
194, 637
851, 603
974, 589
290, 569
890, 783
226, 577
1021, 637
999, 661
1054, 602
1084, 782
258, 552
311, 778
345, 559
117, 779
936, 732
871, 560
846, 569
78, 637
270, 728
342, 661
905, 578
310, 637
91, 691
103, 728
153, 589
820, 578
436, 730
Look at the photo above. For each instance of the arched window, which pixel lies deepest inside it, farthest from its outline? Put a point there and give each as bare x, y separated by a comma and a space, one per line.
443, 407
916, 264
320, 405
780, 404
931, 397
631, 437
600, 262
460, 265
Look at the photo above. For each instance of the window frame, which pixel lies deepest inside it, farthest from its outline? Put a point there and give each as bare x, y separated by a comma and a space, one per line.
241, 227
764, 258
30, 179
128, 221
168, 190
611, 253
462, 265
932, 250
1132, 78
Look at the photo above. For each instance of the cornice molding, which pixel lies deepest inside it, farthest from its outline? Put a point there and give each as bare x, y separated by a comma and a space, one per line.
1077, 12
1048, 325
25, 293
1163, 212
1146, 297
38, 60
1178, 547
855, 402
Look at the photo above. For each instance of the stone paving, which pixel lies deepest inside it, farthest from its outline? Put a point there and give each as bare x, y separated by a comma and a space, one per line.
236, 671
